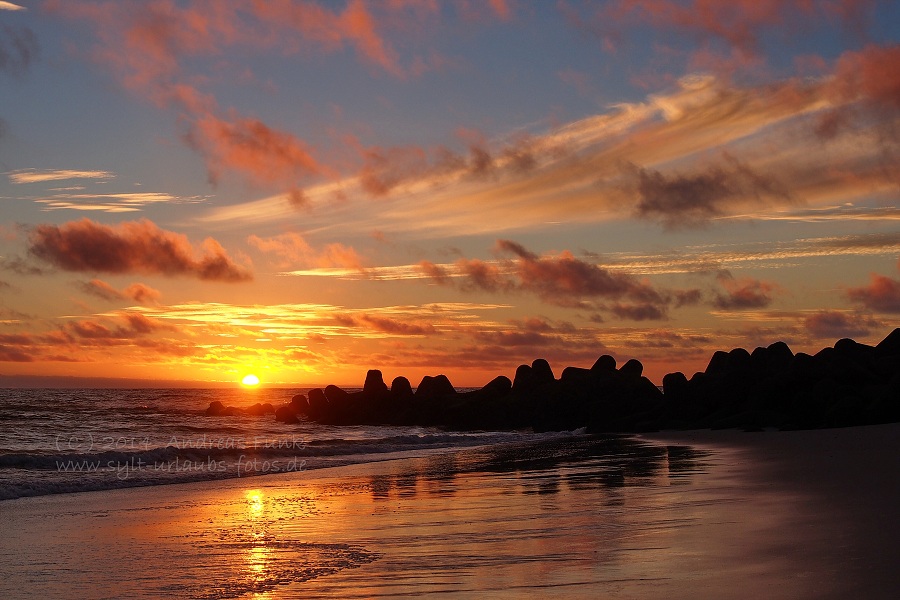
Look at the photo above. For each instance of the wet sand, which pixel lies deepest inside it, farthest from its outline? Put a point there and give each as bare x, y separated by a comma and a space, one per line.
680, 515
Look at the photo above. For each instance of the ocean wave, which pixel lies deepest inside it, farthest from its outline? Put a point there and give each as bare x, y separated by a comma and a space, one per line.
231, 448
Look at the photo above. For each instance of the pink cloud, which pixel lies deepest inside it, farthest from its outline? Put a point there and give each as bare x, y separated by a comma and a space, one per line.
728, 36
562, 280
386, 168
742, 293
251, 147
881, 295
131, 247
145, 43
833, 324
873, 72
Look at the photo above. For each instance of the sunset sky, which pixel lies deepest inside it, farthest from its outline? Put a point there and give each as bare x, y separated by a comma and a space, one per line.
306, 190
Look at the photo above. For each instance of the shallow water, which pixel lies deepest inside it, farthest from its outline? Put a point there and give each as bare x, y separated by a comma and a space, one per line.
54, 441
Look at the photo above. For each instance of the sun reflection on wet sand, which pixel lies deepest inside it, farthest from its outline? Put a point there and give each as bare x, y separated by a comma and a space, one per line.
258, 553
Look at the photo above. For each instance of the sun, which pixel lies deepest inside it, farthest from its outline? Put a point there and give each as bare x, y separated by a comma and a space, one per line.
250, 380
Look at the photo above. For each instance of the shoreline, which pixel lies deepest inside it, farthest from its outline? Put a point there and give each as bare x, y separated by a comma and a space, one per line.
701, 514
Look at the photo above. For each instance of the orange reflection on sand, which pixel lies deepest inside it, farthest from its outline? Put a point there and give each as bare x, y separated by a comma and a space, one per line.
257, 554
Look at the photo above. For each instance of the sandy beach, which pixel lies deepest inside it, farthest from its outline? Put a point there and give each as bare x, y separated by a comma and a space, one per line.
807, 514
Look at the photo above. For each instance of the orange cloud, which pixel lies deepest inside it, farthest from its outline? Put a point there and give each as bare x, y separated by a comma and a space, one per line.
125, 327
142, 294
386, 324
292, 250
131, 247
138, 292
102, 290
39, 176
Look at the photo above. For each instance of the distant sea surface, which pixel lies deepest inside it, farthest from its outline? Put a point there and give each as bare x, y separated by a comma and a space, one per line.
70, 440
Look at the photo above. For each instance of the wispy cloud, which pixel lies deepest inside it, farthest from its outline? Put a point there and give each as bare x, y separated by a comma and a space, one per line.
4, 5
703, 259
820, 214
19, 48
686, 200
139, 292
301, 321
291, 249
113, 203
703, 151
836, 324
146, 45
727, 36
37, 176
562, 280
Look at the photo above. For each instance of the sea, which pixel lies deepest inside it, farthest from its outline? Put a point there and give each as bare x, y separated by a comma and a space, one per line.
73, 440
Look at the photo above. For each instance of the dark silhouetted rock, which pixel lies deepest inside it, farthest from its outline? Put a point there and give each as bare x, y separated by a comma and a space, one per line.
318, 404
889, 346
401, 388
844, 385
286, 414
541, 371
374, 387
335, 395
739, 358
523, 378
299, 405
632, 368
718, 364
675, 385
780, 355
498, 387
260, 409
432, 388
604, 363
215, 409
484, 408
576, 376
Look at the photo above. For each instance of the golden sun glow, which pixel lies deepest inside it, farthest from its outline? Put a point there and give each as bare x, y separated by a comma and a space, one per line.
250, 380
